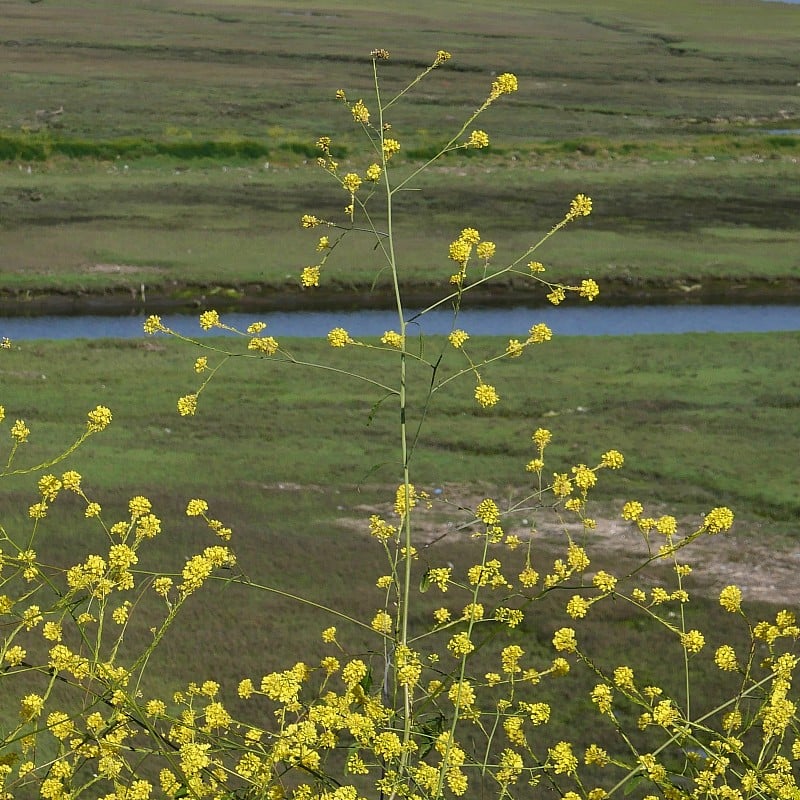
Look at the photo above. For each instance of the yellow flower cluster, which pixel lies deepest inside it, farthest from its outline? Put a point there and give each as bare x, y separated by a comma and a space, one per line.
390, 147
360, 112
339, 337
99, 419
209, 319
441, 57
478, 139
310, 276
393, 339
266, 345
581, 206
718, 520
504, 84
486, 395
153, 324
488, 512
457, 338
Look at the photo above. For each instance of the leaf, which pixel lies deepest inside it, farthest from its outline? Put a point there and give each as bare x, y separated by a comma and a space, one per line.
431, 730
375, 406
632, 784
425, 581
366, 681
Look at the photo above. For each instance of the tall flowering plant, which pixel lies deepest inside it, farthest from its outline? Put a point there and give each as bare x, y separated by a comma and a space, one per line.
451, 702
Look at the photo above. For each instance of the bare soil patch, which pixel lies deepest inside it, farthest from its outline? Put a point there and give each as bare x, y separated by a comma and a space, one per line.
763, 570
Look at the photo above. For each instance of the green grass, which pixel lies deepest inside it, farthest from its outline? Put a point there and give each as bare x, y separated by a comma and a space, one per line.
89, 227
659, 113
155, 173
691, 411
254, 66
296, 470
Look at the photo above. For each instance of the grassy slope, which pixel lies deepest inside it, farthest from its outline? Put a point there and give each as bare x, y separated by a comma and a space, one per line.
647, 95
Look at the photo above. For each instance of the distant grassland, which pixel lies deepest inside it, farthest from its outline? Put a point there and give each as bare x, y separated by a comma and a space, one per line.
166, 145
617, 68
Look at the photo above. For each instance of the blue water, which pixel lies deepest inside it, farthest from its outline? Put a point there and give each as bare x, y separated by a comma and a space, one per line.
565, 321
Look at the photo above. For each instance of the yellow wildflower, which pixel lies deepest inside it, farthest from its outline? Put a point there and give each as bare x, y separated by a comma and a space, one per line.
310, 276
581, 206
339, 337
589, 289
360, 112
187, 405
478, 139
457, 338
393, 339
486, 395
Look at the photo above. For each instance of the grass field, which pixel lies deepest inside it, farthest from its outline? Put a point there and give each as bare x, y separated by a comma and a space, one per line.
166, 147
169, 144
259, 426
296, 471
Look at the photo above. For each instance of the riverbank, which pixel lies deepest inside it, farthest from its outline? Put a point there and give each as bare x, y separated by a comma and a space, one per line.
291, 297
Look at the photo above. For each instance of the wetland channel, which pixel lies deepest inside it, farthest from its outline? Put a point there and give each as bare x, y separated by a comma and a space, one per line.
515, 321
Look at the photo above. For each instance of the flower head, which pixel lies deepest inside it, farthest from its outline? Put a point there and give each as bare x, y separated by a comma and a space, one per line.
504, 84
486, 250
267, 345
208, 319
718, 519
540, 333
564, 640
486, 395
730, 598
310, 276
612, 459
589, 289
196, 508
71, 480
152, 324
99, 419
339, 337
581, 206
20, 431
478, 139
390, 147
514, 348
392, 339
360, 112
457, 338
351, 182
187, 405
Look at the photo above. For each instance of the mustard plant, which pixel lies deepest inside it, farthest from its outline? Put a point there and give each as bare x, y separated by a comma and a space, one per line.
456, 701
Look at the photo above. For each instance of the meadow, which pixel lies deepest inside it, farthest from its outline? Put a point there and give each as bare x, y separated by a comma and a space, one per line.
116, 177
297, 472
169, 149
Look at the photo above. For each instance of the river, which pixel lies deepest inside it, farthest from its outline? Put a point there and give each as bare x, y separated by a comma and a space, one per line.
565, 321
